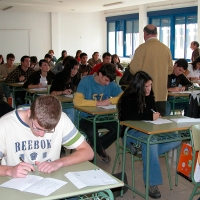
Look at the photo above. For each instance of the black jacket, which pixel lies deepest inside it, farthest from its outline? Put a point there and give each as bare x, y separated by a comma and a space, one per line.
34, 78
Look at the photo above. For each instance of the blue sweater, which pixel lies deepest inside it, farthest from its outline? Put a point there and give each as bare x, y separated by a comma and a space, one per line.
94, 91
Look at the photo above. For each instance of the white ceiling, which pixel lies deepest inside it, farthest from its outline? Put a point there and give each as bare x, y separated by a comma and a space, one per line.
73, 6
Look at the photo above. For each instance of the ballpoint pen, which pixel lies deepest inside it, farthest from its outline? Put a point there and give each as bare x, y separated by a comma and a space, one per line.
23, 161
153, 111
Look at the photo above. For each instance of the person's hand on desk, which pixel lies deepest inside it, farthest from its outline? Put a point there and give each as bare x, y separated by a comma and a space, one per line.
156, 115
48, 167
105, 102
20, 170
40, 85
67, 91
182, 89
21, 78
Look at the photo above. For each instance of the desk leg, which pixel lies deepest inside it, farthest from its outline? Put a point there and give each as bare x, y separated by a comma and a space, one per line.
124, 158
94, 138
173, 105
147, 169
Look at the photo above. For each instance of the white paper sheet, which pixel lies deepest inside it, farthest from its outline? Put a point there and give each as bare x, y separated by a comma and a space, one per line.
90, 178
39, 89
159, 121
183, 92
69, 95
108, 107
35, 184
184, 120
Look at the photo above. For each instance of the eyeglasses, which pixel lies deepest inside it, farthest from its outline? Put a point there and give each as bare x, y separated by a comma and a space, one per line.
41, 130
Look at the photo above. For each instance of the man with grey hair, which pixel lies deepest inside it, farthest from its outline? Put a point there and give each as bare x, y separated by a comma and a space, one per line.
154, 58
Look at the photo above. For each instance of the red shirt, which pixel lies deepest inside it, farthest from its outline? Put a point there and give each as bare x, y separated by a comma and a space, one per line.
97, 67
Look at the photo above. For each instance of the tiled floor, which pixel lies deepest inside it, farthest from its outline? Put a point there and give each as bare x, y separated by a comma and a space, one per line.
180, 192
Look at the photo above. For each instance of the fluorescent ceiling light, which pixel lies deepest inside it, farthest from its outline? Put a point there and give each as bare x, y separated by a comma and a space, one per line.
113, 4
7, 8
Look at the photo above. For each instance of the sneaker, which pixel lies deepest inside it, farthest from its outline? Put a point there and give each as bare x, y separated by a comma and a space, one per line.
154, 192
136, 151
105, 157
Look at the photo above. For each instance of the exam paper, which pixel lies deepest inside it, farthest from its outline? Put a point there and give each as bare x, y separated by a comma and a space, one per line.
69, 95
185, 119
159, 121
39, 89
35, 184
83, 179
108, 107
183, 92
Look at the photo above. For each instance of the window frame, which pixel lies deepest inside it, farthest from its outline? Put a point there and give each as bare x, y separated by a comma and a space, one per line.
172, 14
116, 19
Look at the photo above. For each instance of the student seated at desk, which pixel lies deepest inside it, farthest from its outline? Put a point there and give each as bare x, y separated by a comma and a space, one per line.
65, 82
20, 74
177, 82
106, 59
193, 71
138, 103
41, 78
99, 90
35, 136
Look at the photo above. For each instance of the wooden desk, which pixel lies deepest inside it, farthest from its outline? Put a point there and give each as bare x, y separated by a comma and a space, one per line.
98, 115
66, 102
68, 190
32, 93
155, 134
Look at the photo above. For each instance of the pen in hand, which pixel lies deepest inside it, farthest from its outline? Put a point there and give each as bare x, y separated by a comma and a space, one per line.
153, 111
23, 161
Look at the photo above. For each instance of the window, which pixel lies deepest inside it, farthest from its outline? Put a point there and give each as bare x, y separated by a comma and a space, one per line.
111, 36
123, 35
177, 28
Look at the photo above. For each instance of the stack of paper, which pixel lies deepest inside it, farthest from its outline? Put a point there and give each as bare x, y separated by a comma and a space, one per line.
90, 178
160, 121
69, 95
185, 119
108, 107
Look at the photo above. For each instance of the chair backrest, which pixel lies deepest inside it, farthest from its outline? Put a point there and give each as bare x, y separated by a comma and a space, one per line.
195, 134
117, 79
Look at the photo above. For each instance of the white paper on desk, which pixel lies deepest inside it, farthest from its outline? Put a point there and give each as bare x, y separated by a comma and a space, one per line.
183, 92
34, 184
108, 107
69, 95
90, 178
185, 119
39, 89
160, 121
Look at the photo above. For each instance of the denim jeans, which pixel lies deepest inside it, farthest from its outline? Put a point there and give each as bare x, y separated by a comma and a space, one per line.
70, 112
155, 175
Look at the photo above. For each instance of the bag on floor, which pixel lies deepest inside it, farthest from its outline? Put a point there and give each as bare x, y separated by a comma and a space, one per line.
116, 191
185, 162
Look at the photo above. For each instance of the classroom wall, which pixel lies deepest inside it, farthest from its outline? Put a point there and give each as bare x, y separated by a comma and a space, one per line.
86, 32
35, 25
29, 33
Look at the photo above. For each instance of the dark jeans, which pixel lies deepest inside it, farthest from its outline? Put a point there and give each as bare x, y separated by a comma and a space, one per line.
102, 142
